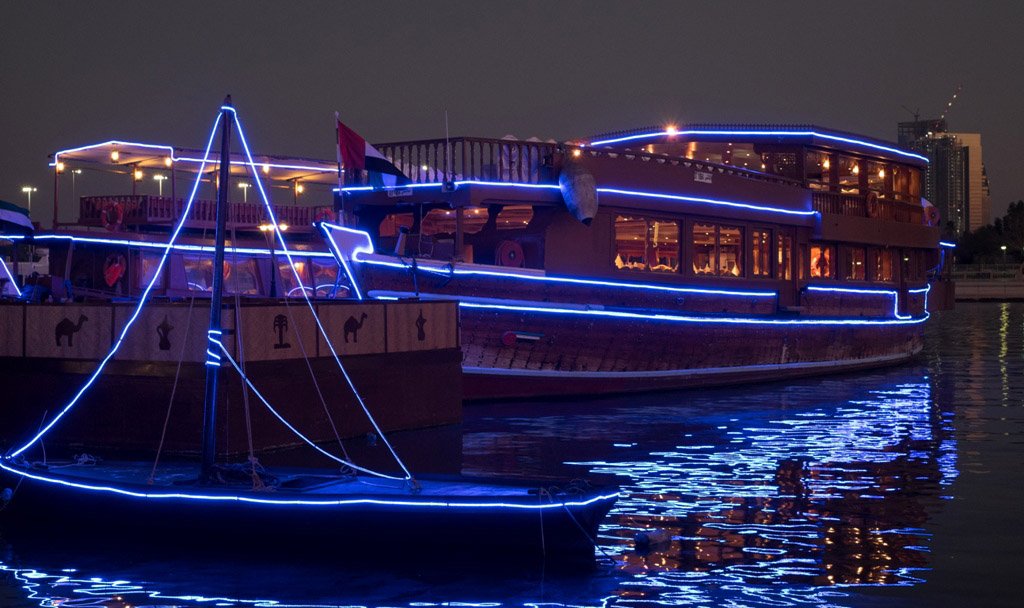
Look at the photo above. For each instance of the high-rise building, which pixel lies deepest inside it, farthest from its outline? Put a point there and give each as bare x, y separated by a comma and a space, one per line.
955, 182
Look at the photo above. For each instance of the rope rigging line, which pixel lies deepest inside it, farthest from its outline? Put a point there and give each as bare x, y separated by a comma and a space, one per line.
323, 331
143, 298
226, 355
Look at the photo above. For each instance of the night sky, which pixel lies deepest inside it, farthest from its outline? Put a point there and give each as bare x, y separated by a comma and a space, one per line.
76, 72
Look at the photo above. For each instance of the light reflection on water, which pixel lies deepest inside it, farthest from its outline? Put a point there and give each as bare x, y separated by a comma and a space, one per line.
802, 494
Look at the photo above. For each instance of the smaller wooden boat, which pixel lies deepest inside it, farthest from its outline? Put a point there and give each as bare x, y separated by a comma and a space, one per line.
314, 509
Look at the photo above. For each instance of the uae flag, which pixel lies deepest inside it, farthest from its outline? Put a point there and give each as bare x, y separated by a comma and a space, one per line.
357, 155
14, 217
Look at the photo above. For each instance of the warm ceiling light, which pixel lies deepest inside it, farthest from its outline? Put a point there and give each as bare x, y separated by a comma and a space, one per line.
138, 174
115, 155
266, 168
856, 169
881, 173
60, 167
577, 152
299, 188
826, 164
168, 162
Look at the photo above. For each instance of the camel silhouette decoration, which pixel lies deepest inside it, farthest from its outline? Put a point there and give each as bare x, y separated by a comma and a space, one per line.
69, 329
352, 327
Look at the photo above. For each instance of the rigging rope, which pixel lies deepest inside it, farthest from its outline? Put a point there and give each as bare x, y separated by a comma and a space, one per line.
323, 331
257, 481
307, 440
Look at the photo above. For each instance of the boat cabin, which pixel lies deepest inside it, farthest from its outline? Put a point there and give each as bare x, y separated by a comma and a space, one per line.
773, 206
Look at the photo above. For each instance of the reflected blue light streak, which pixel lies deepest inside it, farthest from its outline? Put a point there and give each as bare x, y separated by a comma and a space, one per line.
7, 271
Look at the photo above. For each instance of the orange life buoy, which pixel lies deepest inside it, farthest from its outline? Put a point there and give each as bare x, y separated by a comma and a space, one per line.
112, 216
874, 208
509, 253
113, 269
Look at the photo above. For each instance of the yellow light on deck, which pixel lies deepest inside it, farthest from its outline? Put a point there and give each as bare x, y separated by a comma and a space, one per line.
856, 169
60, 167
138, 174
115, 155
577, 153
881, 173
168, 162
424, 168
266, 168
299, 188
671, 129
826, 164
268, 227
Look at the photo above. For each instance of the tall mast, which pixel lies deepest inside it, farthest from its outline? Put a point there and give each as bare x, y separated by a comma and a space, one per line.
212, 370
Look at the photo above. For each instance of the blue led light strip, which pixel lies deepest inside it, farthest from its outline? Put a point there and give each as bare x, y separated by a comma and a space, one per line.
619, 191
281, 418
531, 277
947, 244
693, 319
341, 257
305, 296
138, 307
886, 292
152, 245
306, 502
10, 276
747, 133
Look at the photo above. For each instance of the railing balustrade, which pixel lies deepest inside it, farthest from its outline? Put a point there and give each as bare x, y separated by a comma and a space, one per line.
145, 209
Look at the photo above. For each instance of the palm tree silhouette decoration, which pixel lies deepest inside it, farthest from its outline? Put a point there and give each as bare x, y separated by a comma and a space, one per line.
281, 326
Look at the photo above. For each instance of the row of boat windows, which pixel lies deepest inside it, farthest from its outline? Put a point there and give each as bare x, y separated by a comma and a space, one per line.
243, 276
720, 250
443, 221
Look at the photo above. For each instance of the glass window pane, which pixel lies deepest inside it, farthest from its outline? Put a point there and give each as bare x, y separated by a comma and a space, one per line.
198, 272
730, 251
150, 262
287, 285
664, 242
514, 216
884, 265
705, 251
630, 243
821, 261
785, 259
325, 277
855, 264
761, 247
240, 276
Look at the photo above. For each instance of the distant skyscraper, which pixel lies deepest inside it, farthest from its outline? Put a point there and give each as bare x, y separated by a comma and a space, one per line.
955, 182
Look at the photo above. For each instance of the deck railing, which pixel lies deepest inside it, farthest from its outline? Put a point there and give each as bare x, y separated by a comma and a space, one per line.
856, 205
140, 210
522, 161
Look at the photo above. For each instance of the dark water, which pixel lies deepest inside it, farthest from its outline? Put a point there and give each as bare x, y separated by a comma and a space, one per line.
896, 487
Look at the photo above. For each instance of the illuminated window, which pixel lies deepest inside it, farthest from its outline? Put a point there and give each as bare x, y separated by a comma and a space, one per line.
663, 242
705, 248
785, 257
390, 225
287, 285
239, 274
854, 270
821, 261
717, 250
630, 243
512, 216
761, 253
148, 266
817, 169
883, 264
849, 174
730, 251
325, 276
198, 272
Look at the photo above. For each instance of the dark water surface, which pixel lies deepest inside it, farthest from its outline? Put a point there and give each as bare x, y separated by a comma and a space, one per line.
896, 487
